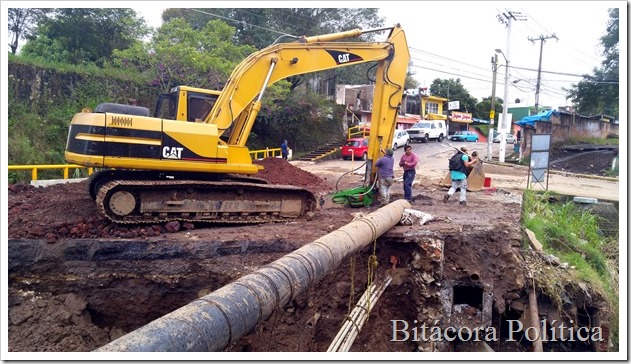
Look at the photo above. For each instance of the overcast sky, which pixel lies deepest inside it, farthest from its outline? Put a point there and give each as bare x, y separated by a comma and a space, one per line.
453, 39
457, 39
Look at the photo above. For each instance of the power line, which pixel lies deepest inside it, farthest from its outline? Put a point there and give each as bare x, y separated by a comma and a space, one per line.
564, 42
551, 72
297, 16
441, 64
450, 73
450, 59
241, 22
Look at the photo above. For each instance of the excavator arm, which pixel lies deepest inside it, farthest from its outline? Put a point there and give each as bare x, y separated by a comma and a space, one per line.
240, 101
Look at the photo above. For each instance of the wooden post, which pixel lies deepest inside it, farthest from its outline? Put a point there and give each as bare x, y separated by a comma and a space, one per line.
534, 320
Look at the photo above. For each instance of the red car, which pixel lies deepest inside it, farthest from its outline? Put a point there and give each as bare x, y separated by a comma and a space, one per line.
357, 147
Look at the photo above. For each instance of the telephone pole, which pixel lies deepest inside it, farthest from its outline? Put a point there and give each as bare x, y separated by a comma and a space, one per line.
506, 18
489, 152
542, 39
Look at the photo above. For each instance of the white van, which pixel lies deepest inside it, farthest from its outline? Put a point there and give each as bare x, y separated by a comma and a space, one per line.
425, 130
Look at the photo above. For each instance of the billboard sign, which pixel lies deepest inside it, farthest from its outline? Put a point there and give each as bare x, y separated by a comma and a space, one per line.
461, 117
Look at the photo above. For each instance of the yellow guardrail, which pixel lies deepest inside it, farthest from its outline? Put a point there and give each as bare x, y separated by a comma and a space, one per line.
264, 153
357, 132
35, 168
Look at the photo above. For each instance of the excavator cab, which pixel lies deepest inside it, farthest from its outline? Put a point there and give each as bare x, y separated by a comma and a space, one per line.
186, 104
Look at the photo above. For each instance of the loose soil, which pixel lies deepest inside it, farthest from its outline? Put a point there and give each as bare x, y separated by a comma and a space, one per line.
78, 281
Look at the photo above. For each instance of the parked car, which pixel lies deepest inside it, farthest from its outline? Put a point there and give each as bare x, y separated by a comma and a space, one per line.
509, 138
464, 136
401, 138
356, 148
425, 130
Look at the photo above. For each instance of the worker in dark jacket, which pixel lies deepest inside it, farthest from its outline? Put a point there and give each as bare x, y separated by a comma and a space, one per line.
385, 175
284, 149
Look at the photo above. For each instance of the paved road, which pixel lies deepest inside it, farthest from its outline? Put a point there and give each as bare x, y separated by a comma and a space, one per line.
434, 158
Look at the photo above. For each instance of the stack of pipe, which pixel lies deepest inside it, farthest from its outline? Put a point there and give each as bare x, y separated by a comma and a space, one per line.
357, 318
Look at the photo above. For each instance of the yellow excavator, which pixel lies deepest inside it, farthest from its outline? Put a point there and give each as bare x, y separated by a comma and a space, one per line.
174, 165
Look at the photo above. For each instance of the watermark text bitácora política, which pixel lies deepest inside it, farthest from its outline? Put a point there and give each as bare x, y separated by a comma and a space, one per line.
404, 331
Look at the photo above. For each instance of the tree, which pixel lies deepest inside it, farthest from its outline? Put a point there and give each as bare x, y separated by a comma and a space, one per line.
306, 119
22, 24
180, 55
265, 26
483, 108
262, 27
598, 93
453, 90
86, 35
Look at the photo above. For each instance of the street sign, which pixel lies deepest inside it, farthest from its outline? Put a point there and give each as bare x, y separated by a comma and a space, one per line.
453, 105
505, 125
492, 115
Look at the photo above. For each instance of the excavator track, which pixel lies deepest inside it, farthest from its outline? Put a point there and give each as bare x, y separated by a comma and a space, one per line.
155, 201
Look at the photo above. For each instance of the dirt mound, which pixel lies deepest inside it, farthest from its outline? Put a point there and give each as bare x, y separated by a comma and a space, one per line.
280, 171
67, 210
593, 162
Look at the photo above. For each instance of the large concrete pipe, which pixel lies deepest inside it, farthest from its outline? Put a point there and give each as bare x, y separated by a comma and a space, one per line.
214, 321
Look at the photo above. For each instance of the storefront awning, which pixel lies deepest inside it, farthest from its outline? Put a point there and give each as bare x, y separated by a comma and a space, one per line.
431, 116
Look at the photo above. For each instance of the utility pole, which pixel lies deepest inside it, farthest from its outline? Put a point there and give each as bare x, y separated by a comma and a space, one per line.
489, 152
542, 39
447, 121
506, 18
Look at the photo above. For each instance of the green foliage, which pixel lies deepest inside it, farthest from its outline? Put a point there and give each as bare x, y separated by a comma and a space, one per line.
573, 235
483, 109
306, 119
588, 140
180, 55
22, 24
253, 25
599, 93
89, 69
410, 82
454, 91
85, 35
615, 170
38, 122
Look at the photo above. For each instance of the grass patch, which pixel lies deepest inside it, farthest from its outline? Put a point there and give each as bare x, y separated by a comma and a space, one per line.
88, 69
589, 140
573, 235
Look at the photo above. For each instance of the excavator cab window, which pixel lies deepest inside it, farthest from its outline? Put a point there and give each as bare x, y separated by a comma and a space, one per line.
199, 105
166, 110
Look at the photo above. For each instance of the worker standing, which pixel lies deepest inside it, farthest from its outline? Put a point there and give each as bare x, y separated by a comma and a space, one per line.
408, 161
385, 175
284, 149
458, 165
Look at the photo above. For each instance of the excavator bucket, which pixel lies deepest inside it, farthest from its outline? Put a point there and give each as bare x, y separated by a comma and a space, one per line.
475, 180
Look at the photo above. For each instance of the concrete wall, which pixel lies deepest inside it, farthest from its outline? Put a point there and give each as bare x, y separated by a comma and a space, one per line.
567, 126
575, 126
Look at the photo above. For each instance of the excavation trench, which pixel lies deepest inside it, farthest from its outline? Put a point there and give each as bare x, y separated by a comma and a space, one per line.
85, 294
82, 294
